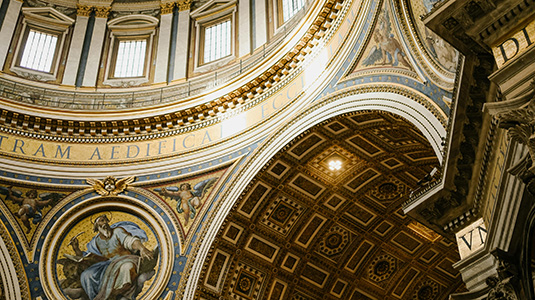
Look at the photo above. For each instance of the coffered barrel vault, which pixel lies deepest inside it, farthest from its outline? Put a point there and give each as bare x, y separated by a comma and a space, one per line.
260, 149
301, 230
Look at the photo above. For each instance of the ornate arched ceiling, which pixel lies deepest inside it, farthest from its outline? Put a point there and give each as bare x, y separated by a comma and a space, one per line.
296, 228
303, 231
342, 60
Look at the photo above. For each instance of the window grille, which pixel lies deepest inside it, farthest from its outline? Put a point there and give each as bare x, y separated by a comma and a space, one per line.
130, 58
217, 41
39, 51
290, 8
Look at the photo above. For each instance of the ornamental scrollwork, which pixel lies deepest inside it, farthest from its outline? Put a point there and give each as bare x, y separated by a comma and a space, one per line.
520, 125
167, 8
83, 10
501, 290
184, 5
102, 11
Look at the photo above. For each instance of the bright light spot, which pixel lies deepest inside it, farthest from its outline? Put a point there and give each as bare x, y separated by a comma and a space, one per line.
291, 7
316, 67
130, 58
217, 41
233, 125
39, 51
335, 165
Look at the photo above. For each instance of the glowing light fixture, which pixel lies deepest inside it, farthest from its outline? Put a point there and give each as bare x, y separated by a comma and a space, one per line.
335, 165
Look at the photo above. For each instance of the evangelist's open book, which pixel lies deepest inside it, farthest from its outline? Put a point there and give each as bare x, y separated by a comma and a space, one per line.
90, 258
147, 265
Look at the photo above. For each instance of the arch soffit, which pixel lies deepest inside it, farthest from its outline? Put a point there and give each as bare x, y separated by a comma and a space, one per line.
397, 104
15, 285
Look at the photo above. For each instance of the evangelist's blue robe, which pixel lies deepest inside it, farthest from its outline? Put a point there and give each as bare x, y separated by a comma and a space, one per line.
101, 278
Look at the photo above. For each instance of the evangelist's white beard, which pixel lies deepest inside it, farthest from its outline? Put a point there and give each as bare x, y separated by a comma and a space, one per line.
105, 231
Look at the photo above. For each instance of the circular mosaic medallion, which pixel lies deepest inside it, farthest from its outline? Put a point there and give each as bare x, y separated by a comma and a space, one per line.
103, 243
388, 188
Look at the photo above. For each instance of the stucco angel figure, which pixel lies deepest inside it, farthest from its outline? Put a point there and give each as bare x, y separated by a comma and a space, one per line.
110, 185
188, 200
30, 203
115, 265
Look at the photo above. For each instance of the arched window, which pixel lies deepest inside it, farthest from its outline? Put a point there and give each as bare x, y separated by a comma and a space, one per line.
38, 51
130, 50
215, 33
217, 41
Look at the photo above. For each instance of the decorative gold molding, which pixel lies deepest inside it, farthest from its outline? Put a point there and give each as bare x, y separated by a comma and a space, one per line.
166, 8
15, 255
179, 119
102, 11
184, 5
110, 185
83, 10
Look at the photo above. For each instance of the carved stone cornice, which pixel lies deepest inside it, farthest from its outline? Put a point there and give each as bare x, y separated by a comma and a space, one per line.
102, 11
83, 10
167, 8
184, 5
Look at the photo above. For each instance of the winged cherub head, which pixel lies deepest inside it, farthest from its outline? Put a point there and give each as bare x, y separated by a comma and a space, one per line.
109, 184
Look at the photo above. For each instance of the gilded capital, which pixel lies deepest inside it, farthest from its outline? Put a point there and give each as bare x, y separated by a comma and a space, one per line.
102, 11
83, 10
167, 8
184, 5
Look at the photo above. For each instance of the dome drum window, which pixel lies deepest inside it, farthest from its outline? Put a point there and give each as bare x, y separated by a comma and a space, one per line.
290, 8
216, 41
130, 61
284, 10
215, 24
38, 51
130, 51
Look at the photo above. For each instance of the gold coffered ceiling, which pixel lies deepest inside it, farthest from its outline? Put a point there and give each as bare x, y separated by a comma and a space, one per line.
304, 231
